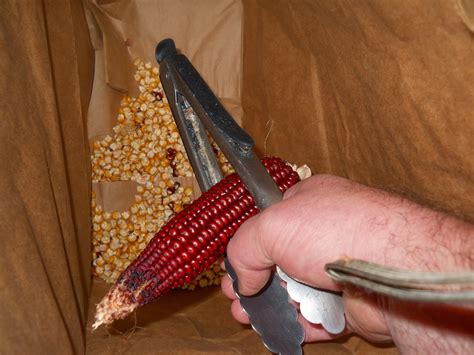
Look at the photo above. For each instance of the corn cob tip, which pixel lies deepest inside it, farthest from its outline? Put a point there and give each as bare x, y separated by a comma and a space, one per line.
303, 171
188, 244
117, 304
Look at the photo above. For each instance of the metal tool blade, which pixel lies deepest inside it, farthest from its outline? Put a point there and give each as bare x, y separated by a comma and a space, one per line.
271, 314
316, 305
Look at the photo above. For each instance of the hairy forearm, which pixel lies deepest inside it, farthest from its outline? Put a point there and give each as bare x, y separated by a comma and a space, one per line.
421, 239
326, 218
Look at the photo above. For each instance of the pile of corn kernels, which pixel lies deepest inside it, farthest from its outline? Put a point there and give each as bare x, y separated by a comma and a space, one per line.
147, 149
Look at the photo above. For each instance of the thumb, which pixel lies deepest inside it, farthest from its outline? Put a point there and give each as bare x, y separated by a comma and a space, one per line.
286, 235
247, 253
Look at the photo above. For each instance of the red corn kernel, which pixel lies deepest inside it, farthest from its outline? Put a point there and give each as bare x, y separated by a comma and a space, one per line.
190, 242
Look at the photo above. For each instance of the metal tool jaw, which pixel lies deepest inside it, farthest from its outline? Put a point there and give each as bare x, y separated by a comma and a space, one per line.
188, 96
196, 109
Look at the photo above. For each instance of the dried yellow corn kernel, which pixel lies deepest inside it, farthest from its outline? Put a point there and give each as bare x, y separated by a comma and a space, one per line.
145, 147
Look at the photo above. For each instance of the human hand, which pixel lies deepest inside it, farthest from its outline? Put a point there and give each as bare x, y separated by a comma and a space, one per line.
316, 223
325, 218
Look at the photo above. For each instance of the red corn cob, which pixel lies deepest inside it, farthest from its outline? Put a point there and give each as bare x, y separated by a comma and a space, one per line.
188, 244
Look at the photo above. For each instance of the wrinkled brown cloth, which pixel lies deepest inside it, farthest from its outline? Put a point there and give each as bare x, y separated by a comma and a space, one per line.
377, 91
196, 322
380, 92
46, 69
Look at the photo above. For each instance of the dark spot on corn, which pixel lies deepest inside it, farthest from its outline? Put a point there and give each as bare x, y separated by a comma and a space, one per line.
196, 237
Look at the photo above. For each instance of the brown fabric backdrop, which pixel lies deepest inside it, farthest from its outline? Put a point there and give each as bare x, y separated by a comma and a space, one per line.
381, 92
378, 91
46, 69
